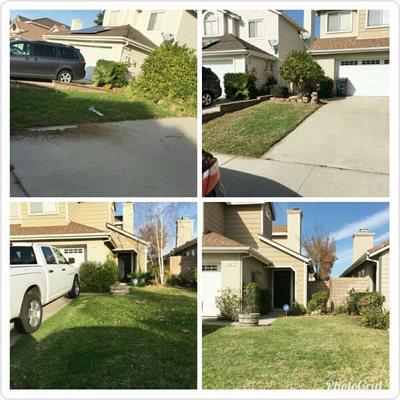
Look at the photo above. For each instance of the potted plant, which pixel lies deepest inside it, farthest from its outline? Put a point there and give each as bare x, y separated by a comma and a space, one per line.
250, 308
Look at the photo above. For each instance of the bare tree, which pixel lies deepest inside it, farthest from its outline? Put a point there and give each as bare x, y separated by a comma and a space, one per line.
158, 229
321, 248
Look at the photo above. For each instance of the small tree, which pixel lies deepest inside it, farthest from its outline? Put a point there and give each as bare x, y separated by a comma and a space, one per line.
99, 18
300, 68
321, 248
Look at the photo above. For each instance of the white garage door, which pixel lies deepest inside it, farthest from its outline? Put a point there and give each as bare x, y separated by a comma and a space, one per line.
220, 68
211, 288
366, 77
78, 253
92, 55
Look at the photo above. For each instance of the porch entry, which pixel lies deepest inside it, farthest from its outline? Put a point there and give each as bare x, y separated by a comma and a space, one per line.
283, 292
126, 265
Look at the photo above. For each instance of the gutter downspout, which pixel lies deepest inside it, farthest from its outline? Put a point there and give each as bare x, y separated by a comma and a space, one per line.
377, 273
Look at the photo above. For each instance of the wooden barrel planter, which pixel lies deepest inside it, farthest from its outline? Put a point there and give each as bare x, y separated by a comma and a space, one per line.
119, 289
249, 319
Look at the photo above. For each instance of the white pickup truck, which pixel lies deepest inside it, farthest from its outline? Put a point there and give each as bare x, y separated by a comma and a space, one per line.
39, 274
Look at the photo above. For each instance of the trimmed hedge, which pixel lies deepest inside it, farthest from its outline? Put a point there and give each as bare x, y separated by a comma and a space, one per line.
279, 91
240, 86
169, 72
110, 74
318, 302
95, 277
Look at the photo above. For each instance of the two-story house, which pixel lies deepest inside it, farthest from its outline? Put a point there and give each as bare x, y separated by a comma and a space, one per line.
254, 41
354, 44
85, 231
371, 261
241, 245
129, 36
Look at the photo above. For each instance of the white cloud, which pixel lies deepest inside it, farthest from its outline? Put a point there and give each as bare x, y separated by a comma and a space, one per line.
372, 222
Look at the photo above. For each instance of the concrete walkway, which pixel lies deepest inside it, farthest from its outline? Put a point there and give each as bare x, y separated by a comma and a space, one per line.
340, 150
48, 311
143, 158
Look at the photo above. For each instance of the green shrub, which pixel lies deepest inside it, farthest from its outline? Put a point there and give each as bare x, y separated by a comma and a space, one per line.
318, 302
353, 302
298, 309
375, 317
265, 301
188, 279
240, 86
279, 91
169, 72
96, 277
110, 74
228, 305
300, 68
339, 310
144, 278
266, 88
370, 300
251, 298
325, 88
174, 280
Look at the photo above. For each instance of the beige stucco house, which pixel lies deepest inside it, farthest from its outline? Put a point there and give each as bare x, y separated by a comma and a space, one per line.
85, 231
371, 261
240, 245
254, 41
354, 44
128, 36
183, 257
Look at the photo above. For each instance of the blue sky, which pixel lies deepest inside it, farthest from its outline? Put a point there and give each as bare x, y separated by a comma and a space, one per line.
182, 209
297, 15
340, 220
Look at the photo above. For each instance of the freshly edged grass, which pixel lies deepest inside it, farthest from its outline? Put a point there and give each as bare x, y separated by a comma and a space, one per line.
254, 130
40, 107
144, 340
295, 353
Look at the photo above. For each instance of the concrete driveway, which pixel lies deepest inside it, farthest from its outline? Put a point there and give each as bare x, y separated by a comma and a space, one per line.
129, 158
340, 150
48, 311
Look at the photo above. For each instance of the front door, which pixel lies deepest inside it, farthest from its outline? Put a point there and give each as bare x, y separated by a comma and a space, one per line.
125, 266
282, 283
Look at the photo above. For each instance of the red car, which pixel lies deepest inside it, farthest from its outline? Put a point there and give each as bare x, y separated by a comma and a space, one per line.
211, 176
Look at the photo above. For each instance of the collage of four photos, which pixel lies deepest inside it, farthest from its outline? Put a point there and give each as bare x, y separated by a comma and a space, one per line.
120, 247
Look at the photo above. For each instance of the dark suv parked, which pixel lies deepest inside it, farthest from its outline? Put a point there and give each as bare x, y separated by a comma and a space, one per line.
211, 88
43, 60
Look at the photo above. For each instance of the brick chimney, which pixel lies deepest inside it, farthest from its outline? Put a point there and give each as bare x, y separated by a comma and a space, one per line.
184, 230
294, 217
362, 241
127, 217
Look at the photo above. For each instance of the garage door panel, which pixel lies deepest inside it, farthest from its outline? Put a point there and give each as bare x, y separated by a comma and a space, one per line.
366, 80
211, 288
220, 68
78, 253
92, 55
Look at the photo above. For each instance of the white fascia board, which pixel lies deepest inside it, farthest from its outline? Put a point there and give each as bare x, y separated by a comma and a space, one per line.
284, 249
248, 250
378, 251
61, 236
347, 51
127, 234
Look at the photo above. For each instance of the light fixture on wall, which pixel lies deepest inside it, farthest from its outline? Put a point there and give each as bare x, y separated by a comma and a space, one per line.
274, 44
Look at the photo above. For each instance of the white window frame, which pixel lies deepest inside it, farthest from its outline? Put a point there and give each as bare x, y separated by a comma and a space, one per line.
375, 26
43, 213
262, 28
162, 22
18, 210
211, 267
204, 23
339, 12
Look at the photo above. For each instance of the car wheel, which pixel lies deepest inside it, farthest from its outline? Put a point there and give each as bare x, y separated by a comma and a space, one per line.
65, 76
30, 317
207, 99
75, 289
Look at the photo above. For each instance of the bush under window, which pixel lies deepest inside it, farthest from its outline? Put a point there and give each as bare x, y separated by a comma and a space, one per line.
110, 74
240, 86
95, 277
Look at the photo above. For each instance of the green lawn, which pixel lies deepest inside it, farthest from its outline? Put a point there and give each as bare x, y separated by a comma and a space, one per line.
140, 341
294, 353
37, 107
254, 130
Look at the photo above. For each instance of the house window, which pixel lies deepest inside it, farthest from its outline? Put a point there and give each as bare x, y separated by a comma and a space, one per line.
386, 62
348, 62
377, 18
36, 208
370, 62
209, 268
255, 28
20, 49
14, 210
113, 20
155, 22
210, 24
339, 21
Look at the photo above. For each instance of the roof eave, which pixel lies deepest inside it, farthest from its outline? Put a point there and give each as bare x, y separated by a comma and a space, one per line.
350, 50
243, 249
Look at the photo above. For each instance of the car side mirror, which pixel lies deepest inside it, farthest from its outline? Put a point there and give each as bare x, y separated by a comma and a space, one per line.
71, 260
